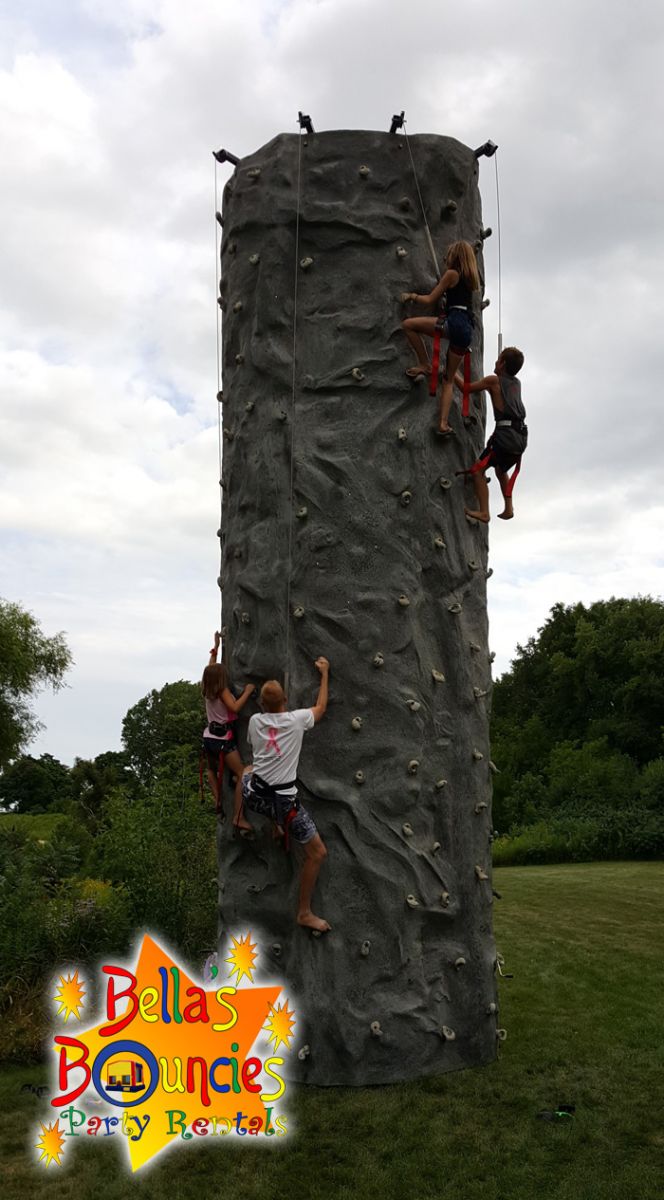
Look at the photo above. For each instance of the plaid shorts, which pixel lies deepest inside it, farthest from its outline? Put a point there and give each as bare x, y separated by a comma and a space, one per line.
301, 829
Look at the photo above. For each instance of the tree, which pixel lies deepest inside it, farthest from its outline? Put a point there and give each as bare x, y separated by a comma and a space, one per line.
170, 719
29, 661
34, 784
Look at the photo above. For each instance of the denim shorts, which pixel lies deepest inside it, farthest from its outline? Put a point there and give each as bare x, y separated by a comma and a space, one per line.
213, 747
301, 828
457, 327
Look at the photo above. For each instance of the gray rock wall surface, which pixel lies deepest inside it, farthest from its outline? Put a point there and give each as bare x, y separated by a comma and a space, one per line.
387, 579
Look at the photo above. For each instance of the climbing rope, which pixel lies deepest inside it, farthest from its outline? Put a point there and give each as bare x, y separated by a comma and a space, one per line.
424, 215
217, 261
292, 416
500, 283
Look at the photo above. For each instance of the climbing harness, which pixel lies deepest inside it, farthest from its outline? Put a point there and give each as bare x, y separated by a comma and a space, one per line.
433, 379
486, 460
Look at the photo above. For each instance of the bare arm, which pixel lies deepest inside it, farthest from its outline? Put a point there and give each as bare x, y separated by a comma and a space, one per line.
215, 649
237, 704
448, 280
320, 706
488, 384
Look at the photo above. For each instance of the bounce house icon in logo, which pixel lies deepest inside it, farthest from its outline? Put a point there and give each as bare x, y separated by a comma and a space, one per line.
171, 1060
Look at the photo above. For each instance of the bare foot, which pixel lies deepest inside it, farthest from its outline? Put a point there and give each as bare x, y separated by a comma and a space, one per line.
507, 514
445, 431
478, 516
420, 369
312, 922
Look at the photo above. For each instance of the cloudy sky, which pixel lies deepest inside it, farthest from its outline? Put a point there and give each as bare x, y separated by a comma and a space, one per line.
109, 110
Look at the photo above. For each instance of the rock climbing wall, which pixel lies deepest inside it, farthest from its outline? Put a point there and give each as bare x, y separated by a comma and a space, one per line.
387, 579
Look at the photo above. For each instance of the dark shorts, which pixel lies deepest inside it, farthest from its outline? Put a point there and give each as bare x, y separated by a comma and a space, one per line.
301, 828
505, 447
457, 327
213, 747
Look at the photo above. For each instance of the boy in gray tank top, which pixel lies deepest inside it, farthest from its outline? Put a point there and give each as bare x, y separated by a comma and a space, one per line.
508, 440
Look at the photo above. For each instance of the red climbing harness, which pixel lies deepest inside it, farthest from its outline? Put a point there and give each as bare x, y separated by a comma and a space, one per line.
484, 462
433, 379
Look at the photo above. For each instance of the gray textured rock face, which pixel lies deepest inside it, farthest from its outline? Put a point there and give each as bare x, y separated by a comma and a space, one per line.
387, 578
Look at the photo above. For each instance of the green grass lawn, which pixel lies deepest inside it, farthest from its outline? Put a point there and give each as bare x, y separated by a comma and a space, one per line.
584, 1014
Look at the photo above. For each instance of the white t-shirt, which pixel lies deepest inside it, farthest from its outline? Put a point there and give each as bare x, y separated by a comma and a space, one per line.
276, 741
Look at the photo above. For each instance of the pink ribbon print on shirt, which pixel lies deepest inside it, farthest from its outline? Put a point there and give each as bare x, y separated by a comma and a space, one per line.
272, 739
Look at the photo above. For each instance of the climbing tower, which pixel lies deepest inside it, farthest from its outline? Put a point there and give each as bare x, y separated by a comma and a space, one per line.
343, 533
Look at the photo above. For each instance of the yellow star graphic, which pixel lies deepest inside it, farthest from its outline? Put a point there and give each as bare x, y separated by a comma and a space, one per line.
51, 1143
242, 958
161, 1062
69, 995
280, 1024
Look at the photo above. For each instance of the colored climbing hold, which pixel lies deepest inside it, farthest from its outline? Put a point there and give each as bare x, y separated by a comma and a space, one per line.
448, 1034
501, 1034
254, 259
298, 611
357, 374
402, 435
407, 829
481, 873
401, 252
405, 498
435, 848
445, 483
245, 618
403, 601
237, 307
413, 766
480, 806
454, 608
239, 358
365, 949
438, 676
438, 542
477, 755
302, 512
478, 693
305, 263
363, 172
303, 1053
378, 660
249, 406
459, 962
376, 1030
440, 784
412, 902
414, 705
356, 723
360, 777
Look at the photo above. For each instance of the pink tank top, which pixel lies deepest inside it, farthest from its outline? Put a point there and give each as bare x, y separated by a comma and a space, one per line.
216, 711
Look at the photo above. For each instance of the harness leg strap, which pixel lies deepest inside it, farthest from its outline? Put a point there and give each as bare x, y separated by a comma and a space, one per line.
435, 360
509, 487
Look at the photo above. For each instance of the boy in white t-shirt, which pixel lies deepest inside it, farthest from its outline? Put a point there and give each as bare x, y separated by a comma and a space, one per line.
270, 788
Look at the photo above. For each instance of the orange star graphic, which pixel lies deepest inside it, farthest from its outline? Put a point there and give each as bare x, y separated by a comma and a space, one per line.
208, 1056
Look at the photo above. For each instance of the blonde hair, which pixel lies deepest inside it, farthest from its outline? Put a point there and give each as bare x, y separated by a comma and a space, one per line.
461, 257
272, 696
215, 679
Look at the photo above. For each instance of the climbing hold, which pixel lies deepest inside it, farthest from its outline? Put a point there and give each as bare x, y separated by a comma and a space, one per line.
480, 806
222, 303
412, 902
357, 374
402, 435
454, 608
302, 512
229, 435
440, 784
219, 219
283, 416
359, 777
298, 611
475, 646
448, 1034
401, 252
237, 307
477, 755
472, 564
376, 1030
303, 1053
363, 172
254, 173
493, 1008
444, 899
438, 541
404, 601
356, 723
445, 483
481, 873
493, 768
239, 358
378, 660
489, 572
448, 208
305, 263
220, 397
220, 583
254, 889
413, 766
276, 949
404, 203
237, 553
232, 247
245, 618
364, 949
254, 259
405, 498
501, 1034
478, 693
486, 233
492, 655
414, 705
459, 962
220, 535
435, 847
249, 406
407, 829
438, 676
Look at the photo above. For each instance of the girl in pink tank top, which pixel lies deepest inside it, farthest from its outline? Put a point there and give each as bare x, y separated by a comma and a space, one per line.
219, 735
